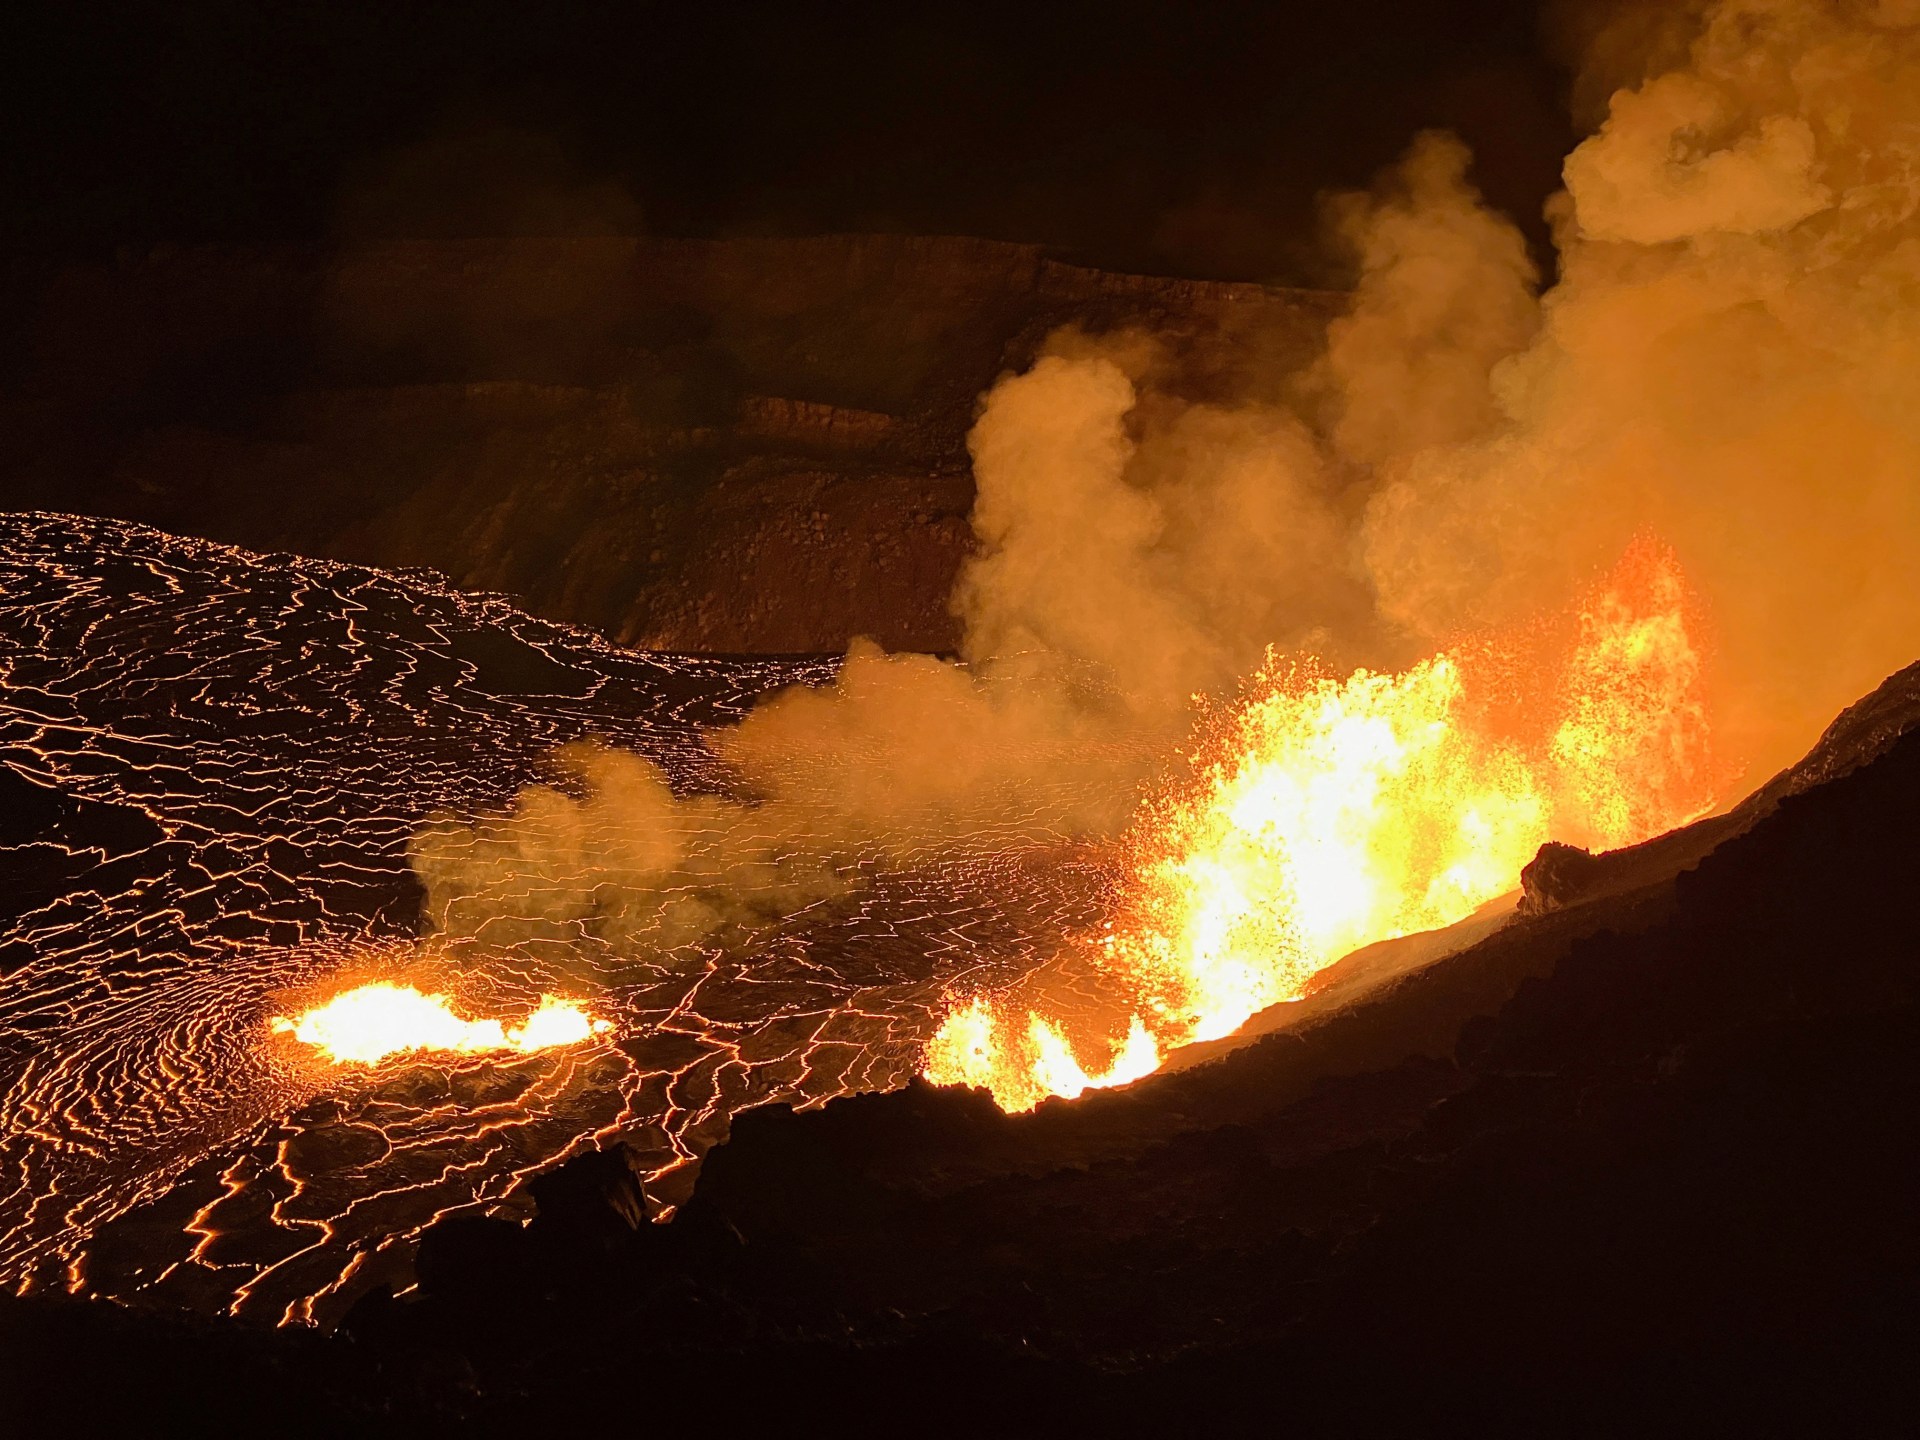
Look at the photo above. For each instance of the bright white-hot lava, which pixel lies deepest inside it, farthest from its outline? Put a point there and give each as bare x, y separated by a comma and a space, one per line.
1333, 813
371, 1022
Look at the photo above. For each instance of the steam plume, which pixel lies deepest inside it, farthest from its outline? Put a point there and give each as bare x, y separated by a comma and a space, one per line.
1728, 358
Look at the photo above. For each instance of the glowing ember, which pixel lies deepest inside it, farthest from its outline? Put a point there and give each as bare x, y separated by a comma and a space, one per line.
365, 1025
1337, 813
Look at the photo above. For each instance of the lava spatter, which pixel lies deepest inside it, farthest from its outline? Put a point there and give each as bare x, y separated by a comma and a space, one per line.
1331, 813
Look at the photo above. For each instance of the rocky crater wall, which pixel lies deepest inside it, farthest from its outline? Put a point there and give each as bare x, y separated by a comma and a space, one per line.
735, 445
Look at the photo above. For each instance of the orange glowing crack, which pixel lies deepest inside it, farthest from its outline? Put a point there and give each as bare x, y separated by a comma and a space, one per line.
365, 1025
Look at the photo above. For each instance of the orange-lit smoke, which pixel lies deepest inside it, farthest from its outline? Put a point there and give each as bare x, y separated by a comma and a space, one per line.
372, 1022
1731, 357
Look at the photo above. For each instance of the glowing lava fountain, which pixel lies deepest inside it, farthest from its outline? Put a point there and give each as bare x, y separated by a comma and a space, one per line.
1327, 814
369, 1023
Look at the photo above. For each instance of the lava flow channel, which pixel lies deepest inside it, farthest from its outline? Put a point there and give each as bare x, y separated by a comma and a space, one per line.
369, 1023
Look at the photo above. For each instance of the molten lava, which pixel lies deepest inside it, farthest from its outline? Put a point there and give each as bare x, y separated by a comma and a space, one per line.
365, 1025
1329, 814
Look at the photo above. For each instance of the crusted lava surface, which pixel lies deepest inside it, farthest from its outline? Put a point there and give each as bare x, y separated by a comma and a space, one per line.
212, 763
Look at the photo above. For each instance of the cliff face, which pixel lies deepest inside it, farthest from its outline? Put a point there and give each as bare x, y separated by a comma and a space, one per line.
747, 445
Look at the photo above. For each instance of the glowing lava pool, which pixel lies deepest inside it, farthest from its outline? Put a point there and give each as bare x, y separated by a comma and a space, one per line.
376, 1021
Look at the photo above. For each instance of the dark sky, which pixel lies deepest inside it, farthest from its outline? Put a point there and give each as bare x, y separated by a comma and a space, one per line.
1186, 138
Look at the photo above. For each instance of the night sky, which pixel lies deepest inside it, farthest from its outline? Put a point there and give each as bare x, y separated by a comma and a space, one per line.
1178, 138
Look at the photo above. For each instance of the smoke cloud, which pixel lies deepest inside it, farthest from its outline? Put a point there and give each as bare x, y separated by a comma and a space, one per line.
1728, 359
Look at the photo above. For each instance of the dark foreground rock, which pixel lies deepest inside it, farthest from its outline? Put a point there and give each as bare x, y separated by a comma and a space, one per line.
1666, 1185
1559, 876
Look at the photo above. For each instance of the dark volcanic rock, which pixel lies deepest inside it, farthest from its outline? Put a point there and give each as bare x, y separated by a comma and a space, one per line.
1556, 877
723, 446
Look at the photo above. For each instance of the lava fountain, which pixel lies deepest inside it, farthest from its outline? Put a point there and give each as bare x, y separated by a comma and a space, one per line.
372, 1022
1328, 813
